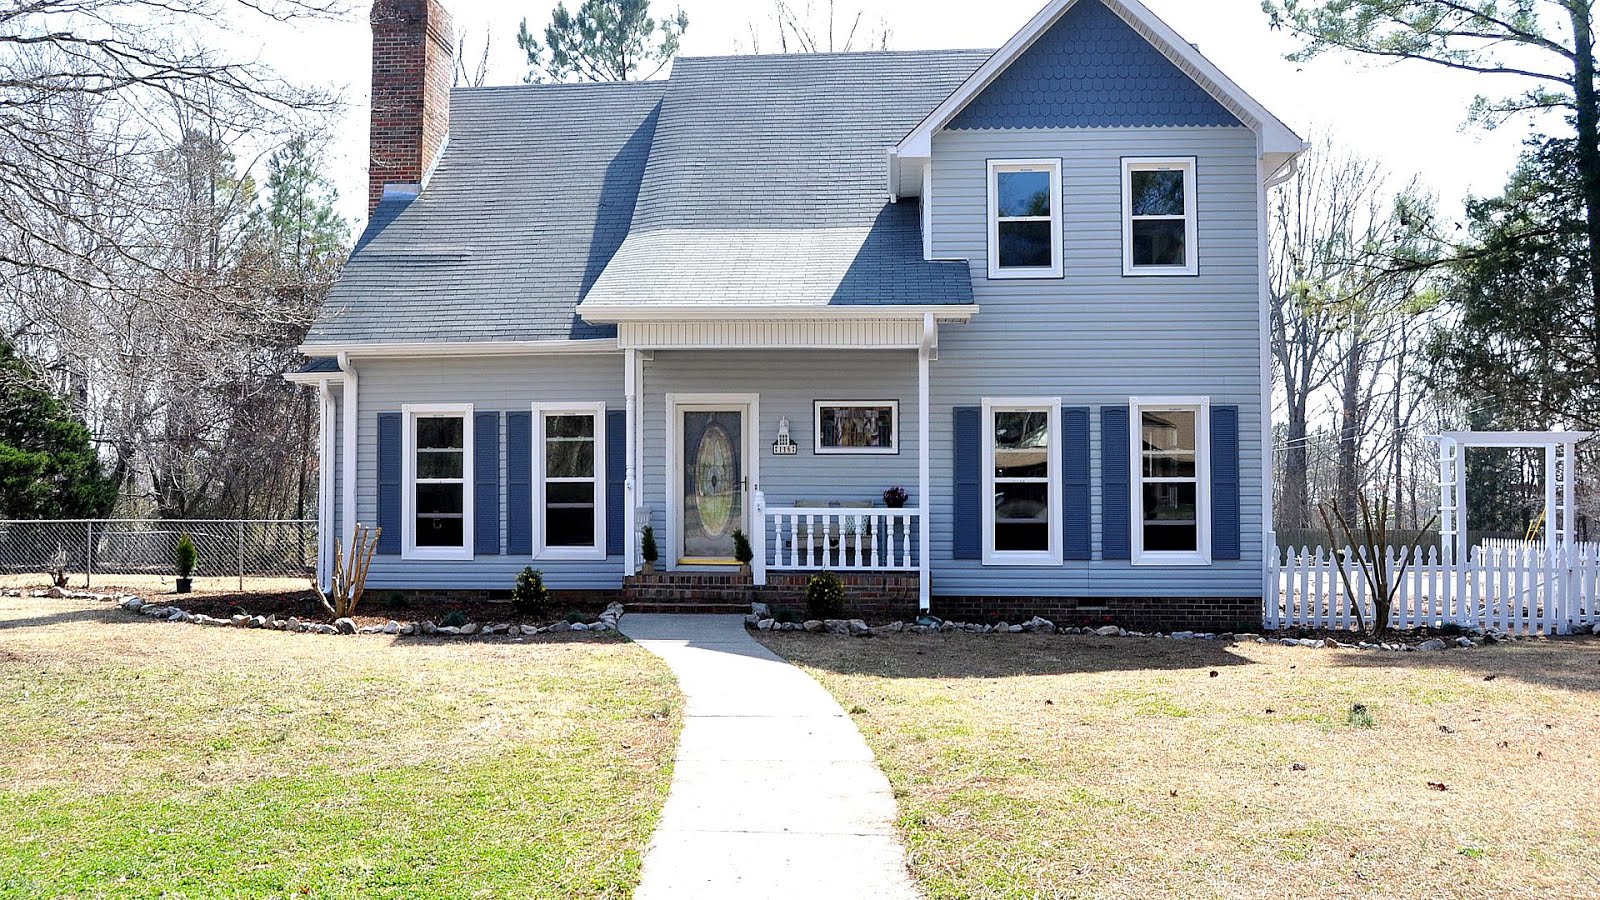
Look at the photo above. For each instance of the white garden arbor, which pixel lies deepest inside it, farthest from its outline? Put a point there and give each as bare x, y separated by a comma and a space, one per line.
1560, 451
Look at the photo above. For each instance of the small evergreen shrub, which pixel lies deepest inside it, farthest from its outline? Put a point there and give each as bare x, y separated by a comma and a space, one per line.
647, 544
185, 556
741, 547
574, 617
1360, 717
530, 597
824, 596
455, 618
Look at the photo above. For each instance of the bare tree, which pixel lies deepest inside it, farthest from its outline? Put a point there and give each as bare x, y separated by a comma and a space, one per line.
819, 27
476, 74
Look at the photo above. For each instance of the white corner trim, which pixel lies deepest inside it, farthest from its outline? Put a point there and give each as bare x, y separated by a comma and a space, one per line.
1057, 249
409, 413
1191, 224
1276, 136
540, 549
1054, 556
1202, 470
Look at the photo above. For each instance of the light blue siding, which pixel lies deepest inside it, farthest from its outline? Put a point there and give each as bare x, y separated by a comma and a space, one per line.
1095, 337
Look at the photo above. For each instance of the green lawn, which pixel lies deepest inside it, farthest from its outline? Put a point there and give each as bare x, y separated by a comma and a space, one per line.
147, 759
1034, 766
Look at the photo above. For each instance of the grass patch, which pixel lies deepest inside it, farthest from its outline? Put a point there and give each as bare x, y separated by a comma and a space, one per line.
1036, 767
146, 759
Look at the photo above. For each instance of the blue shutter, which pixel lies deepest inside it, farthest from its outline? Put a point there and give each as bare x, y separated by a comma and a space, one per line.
967, 512
1116, 516
486, 483
389, 486
519, 483
1075, 482
616, 478
1224, 482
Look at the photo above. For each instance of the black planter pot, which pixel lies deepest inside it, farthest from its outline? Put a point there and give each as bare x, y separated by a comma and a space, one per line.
185, 585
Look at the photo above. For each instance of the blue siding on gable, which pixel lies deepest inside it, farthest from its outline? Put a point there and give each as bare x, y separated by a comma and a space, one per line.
1092, 70
1224, 482
1116, 484
519, 483
486, 483
616, 478
389, 476
967, 507
1077, 522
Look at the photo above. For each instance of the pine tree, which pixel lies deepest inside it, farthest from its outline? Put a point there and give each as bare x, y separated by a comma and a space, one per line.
605, 40
48, 466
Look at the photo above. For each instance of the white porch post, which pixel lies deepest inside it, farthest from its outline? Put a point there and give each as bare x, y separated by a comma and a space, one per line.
325, 465
630, 502
924, 585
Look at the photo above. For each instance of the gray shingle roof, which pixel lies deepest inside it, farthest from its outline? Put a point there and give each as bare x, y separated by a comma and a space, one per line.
738, 180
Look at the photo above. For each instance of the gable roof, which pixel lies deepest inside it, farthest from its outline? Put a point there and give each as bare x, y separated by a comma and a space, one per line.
765, 186
1277, 139
531, 197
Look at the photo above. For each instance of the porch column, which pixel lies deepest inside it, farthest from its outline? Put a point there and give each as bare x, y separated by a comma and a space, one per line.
630, 380
325, 465
924, 353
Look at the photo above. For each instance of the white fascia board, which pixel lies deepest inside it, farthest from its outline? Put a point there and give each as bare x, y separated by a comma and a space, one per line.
690, 312
313, 378
459, 348
1276, 137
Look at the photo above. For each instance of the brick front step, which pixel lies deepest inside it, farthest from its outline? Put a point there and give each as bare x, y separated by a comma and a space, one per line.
877, 595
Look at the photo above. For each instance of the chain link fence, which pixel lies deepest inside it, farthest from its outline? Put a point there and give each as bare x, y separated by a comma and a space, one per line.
105, 548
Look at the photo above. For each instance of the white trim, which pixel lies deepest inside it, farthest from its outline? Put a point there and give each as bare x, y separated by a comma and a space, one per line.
1202, 473
598, 412
791, 334
1052, 556
608, 313
816, 429
926, 210
326, 413
1191, 246
750, 405
381, 349
1053, 168
1276, 137
1269, 578
410, 412
630, 483
352, 422
929, 348
1512, 438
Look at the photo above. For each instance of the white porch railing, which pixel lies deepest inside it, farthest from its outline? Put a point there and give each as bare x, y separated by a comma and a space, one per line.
840, 539
1516, 587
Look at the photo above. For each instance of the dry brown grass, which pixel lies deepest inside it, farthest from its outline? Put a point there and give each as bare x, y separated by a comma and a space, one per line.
1033, 766
144, 758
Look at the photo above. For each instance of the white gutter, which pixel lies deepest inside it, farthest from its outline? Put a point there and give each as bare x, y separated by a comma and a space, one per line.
613, 313
409, 349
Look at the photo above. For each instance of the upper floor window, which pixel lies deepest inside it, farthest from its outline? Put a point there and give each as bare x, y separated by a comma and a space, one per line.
1171, 496
569, 503
1025, 218
437, 473
1158, 217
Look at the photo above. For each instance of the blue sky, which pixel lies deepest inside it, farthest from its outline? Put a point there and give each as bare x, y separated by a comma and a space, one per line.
1408, 115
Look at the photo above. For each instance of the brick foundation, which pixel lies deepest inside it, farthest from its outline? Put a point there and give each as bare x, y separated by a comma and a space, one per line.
1142, 613
880, 596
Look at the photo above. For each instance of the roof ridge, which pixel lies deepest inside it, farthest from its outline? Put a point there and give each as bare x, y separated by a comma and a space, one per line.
934, 51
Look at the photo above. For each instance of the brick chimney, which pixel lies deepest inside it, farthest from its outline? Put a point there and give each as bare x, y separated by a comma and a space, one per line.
412, 68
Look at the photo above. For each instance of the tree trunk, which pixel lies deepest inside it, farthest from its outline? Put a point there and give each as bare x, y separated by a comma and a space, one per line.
1588, 127
1295, 505
1398, 429
1350, 427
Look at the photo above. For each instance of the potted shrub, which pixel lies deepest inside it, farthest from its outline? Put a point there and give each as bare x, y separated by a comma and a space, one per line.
647, 549
742, 551
894, 497
184, 560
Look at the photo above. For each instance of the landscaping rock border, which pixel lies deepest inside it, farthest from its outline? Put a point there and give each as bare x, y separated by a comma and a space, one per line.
606, 622
761, 619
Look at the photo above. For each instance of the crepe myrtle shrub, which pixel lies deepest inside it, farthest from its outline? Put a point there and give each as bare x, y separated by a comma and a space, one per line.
824, 596
530, 596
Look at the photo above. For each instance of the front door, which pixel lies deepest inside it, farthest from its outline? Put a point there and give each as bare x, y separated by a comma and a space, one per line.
713, 482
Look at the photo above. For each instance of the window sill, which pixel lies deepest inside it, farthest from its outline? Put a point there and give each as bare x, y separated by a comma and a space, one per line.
570, 553
1161, 272
449, 554
1016, 274
1171, 559
1002, 558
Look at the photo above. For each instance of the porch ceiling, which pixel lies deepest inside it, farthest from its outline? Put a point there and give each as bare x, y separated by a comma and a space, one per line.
809, 333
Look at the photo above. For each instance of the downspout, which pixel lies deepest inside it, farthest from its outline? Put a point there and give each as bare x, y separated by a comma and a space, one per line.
351, 419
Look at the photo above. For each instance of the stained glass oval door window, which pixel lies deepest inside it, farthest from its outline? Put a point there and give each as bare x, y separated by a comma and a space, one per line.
713, 483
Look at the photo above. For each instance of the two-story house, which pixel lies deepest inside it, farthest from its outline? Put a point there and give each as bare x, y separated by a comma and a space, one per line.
1025, 286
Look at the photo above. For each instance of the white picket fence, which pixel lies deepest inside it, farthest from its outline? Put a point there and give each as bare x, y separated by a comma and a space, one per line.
1514, 586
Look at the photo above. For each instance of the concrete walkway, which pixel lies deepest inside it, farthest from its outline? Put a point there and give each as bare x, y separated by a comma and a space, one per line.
774, 794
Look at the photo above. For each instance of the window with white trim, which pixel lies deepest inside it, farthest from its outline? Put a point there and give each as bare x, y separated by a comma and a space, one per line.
1022, 479
1025, 218
1171, 484
569, 488
1158, 217
437, 478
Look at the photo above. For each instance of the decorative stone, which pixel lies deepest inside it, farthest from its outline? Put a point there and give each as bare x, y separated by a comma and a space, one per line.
1107, 631
1431, 644
765, 624
561, 627
446, 629
258, 622
836, 626
408, 629
1182, 635
760, 611
1465, 643
1039, 624
370, 629
239, 620
814, 626
325, 628
858, 628
752, 621
344, 625
947, 627
1002, 626
469, 628
427, 627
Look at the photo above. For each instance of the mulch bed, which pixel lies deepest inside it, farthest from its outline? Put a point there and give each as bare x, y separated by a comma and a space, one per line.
372, 611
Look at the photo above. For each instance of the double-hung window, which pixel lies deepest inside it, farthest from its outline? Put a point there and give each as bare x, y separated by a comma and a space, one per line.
1158, 217
569, 465
1171, 484
437, 475
1025, 218
1022, 476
